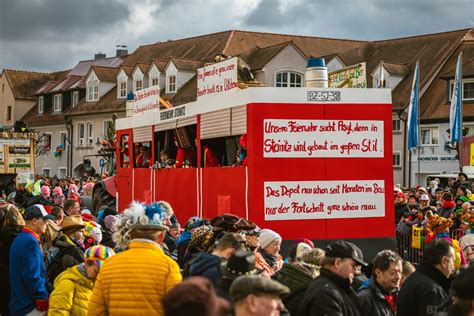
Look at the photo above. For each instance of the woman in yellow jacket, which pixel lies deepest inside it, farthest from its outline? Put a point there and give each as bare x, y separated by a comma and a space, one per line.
73, 287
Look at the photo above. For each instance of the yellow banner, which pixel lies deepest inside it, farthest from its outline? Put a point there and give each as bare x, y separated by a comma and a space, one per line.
416, 237
471, 155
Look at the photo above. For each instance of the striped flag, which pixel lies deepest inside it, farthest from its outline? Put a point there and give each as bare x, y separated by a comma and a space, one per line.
413, 112
382, 77
455, 114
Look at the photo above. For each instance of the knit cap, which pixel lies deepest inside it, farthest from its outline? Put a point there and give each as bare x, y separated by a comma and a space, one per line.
267, 236
98, 254
110, 221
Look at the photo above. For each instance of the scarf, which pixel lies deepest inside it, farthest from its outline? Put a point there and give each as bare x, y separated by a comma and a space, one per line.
448, 204
271, 260
185, 236
82, 270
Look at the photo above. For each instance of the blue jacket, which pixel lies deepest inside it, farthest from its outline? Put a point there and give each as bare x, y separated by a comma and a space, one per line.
206, 265
27, 274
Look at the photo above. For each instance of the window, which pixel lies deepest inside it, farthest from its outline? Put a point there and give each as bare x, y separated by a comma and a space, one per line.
75, 98
429, 136
470, 130
47, 172
63, 139
90, 134
138, 85
81, 134
57, 103
123, 89
288, 79
397, 159
93, 91
108, 127
467, 88
41, 104
9, 113
155, 82
62, 172
171, 84
396, 125
46, 140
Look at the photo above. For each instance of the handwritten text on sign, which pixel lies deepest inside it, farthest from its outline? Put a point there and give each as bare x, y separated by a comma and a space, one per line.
294, 200
147, 99
218, 78
322, 138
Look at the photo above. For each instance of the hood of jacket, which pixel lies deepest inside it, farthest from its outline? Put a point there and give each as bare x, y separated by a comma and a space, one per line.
75, 276
296, 279
203, 262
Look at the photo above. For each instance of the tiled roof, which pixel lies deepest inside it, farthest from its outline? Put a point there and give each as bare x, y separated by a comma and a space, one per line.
105, 73
46, 87
467, 70
106, 104
186, 64
25, 83
66, 83
431, 50
262, 56
434, 104
160, 64
128, 70
143, 67
396, 69
83, 67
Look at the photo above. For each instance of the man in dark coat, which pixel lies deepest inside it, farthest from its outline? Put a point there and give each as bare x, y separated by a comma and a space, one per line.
378, 297
427, 288
331, 293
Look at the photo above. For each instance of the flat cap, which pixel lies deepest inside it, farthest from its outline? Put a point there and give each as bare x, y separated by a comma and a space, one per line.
257, 285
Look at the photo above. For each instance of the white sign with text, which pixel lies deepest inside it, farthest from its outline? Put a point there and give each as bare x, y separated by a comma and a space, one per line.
322, 138
218, 78
295, 200
146, 100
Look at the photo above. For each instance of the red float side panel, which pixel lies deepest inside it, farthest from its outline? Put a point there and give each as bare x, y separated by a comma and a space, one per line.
223, 191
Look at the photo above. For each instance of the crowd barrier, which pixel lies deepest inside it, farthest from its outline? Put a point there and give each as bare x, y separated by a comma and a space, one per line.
410, 246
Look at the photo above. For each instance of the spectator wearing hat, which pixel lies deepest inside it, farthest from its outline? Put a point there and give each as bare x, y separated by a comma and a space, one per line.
436, 196
241, 262
251, 237
378, 297
424, 291
195, 296
13, 225
172, 234
108, 229
401, 206
70, 245
254, 295
299, 274
208, 264
143, 270
425, 204
26, 265
184, 239
73, 287
331, 293
448, 205
268, 258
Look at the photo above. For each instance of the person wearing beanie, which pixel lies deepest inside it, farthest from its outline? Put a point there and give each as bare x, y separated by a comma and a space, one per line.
73, 287
448, 205
401, 206
268, 258
467, 241
108, 229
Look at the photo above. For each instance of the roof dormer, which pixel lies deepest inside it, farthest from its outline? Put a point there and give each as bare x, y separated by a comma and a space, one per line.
154, 75
92, 87
138, 76
99, 81
388, 75
171, 76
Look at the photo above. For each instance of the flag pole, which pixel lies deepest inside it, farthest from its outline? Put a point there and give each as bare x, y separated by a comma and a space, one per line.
419, 108
460, 96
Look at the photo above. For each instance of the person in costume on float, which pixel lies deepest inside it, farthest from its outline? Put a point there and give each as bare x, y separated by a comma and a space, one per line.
243, 152
143, 158
439, 226
182, 155
210, 159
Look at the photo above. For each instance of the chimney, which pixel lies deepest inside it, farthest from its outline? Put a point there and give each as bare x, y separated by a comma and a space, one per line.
121, 50
99, 55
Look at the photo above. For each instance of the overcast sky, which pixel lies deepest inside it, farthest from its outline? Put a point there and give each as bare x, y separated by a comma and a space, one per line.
50, 35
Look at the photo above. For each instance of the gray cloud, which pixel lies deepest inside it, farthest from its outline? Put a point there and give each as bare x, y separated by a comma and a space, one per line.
50, 35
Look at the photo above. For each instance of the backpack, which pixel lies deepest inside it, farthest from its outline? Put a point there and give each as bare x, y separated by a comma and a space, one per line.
53, 265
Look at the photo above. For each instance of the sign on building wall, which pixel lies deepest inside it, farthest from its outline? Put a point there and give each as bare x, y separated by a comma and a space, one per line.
218, 78
146, 100
323, 138
350, 77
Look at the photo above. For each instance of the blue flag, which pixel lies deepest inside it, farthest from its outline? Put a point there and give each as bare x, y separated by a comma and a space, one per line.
455, 114
413, 112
